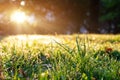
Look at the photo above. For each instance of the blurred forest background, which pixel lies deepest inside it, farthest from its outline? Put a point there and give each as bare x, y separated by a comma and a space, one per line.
61, 16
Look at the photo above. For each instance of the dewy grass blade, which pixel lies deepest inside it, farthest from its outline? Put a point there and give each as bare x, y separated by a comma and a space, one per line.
66, 48
85, 47
78, 46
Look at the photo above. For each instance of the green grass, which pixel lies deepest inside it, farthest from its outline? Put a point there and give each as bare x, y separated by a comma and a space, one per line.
62, 57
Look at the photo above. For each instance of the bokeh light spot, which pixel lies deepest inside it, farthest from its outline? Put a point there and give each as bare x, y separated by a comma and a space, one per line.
22, 3
18, 17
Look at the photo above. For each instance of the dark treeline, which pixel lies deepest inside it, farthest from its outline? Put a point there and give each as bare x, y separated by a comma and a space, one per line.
62, 16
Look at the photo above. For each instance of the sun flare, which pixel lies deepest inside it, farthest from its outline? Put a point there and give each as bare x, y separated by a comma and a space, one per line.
18, 17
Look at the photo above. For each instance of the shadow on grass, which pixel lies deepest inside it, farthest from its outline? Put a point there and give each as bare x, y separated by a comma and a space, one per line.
115, 54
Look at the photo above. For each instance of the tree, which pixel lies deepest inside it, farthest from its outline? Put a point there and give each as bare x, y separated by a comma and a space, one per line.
94, 15
110, 14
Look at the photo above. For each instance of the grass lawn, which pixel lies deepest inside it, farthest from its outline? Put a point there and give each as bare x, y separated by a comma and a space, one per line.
60, 57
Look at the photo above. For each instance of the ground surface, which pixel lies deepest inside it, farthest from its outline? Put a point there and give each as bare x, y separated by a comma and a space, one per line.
60, 57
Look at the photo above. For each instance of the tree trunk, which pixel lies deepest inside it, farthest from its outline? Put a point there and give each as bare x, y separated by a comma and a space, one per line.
94, 16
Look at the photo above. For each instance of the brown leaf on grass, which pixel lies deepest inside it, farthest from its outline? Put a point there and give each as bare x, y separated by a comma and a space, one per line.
108, 49
93, 78
47, 55
1, 73
21, 71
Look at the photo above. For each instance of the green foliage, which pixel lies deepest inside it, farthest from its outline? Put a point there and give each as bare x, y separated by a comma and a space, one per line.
109, 16
94, 57
110, 10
